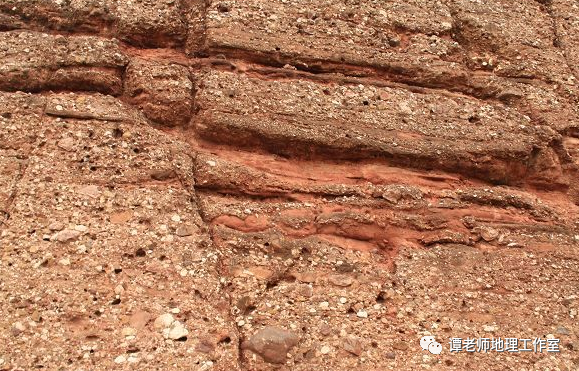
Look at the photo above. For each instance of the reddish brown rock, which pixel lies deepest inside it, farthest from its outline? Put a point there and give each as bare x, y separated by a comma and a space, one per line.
272, 344
304, 185
400, 38
34, 61
403, 127
566, 14
162, 91
140, 22
520, 45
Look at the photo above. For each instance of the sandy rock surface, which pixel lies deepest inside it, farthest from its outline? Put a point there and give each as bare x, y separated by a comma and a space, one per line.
287, 185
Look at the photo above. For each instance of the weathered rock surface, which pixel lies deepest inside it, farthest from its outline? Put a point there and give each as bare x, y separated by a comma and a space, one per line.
422, 129
162, 91
140, 22
292, 185
34, 61
272, 344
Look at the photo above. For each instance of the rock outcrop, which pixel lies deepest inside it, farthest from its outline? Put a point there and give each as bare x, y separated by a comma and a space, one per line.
291, 185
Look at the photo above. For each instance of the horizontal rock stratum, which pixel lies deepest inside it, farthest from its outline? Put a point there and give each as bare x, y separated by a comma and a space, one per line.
287, 185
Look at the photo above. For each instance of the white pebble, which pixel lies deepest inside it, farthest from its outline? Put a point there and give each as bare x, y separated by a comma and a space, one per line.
81, 228
177, 331
164, 321
128, 331
362, 314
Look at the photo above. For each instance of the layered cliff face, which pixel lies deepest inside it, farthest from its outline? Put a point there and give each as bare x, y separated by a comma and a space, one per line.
256, 185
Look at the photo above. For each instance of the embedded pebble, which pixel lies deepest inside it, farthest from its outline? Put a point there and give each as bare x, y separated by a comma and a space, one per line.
184, 231
56, 226
272, 343
66, 235
18, 328
164, 321
129, 331
352, 345
325, 349
177, 331
362, 314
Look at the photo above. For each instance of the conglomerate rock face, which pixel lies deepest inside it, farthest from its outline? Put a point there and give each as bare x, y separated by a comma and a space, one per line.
287, 185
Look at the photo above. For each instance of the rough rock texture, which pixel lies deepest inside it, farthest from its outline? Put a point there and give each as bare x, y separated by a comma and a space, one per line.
33, 61
141, 22
272, 344
162, 91
287, 185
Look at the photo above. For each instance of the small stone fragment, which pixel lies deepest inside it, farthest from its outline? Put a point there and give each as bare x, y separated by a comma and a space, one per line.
362, 314
140, 252
91, 191
161, 175
488, 234
128, 331
164, 321
205, 346
305, 290
261, 273
325, 329
490, 328
399, 345
184, 231
67, 144
81, 228
56, 226
306, 277
139, 319
272, 344
121, 217
36, 317
562, 331
352, 345
325, 349
394, 41
341, 280
177, 331
66, 235
18, 328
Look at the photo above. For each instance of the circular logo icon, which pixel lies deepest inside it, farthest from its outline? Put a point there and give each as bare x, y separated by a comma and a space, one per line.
435, 348
426, 341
